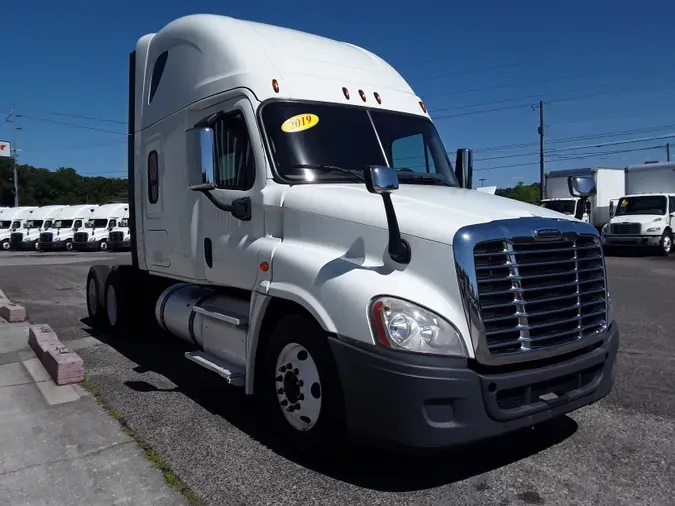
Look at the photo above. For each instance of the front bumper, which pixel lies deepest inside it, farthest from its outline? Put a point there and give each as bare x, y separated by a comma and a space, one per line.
435, 402
52, 246
632, 240
114, 245
87, 246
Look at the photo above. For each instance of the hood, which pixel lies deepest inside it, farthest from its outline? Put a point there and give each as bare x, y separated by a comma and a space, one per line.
429, 212
637, 218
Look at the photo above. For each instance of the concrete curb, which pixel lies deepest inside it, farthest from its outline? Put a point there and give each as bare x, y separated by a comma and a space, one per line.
13, 313
63, 365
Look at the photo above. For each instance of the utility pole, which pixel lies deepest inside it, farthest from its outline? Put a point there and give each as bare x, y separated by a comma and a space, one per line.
482, 180
541, 150
668, 151
14, 151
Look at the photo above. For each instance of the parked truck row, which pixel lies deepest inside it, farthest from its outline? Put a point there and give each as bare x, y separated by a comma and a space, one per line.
633, 206
297, 221
65, 227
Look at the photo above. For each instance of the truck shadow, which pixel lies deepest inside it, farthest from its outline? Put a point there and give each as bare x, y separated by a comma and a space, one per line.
358, 465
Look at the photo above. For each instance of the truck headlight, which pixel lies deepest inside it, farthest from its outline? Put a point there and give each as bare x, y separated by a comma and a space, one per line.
605, 228
654, 229
402, 325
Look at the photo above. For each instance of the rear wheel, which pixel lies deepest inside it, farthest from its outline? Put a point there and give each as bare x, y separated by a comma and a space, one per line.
119, 298
96, 286
299, 389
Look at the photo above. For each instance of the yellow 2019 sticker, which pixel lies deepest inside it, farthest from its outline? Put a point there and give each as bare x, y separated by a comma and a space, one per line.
299, 123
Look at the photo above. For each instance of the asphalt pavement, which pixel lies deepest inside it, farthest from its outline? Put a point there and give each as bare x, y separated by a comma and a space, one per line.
618, 451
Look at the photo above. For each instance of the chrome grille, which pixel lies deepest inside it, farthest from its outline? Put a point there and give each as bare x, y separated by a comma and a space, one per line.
625, 228
527, 297
16, 238
116, 237
46, 237
80, 237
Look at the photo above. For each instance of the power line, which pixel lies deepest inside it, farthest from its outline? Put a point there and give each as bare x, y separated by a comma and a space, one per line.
501, 86
75, 116
484, 69
84, 145
73, 125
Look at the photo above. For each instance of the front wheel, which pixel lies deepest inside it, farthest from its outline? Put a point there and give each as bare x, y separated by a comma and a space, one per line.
69, 245
666, 244
5, 245
36, 245
299, 387
103, 245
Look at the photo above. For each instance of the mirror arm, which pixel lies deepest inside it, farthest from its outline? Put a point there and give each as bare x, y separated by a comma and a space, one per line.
399, 249
240, 208
581, 207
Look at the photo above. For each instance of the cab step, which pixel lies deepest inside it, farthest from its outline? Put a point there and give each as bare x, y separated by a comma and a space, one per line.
233, 374
215, 312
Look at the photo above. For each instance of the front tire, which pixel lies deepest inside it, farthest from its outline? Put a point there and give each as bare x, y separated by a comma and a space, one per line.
299, 387
103, 245
5, 245
666, 244
69, 245
96, 287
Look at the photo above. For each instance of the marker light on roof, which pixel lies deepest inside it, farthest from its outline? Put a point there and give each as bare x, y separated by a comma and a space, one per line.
275, 85
363, 95
377, 97
346, 93
424, 107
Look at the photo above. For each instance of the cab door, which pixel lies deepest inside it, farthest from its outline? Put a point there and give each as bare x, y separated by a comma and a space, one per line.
231, 213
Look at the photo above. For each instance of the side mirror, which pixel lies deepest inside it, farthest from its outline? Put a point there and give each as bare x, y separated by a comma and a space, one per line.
581, 186
464, 168
380, 179
202, 171
200, 158
611, 208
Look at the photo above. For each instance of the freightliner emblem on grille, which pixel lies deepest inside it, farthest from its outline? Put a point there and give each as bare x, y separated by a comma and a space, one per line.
547, 234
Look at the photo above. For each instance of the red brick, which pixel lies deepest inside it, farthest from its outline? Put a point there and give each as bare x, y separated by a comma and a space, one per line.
12, 312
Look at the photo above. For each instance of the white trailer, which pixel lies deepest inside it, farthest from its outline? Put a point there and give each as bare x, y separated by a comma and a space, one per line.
12, 219
98, 227
279, 228
645, 216
610, 186
66, 223
40, 220
119, 238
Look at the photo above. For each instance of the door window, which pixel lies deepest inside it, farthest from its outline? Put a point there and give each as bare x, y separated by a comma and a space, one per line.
234, 160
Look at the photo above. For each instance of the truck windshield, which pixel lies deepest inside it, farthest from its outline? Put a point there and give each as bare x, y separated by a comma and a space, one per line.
33, 224
648, 204
47, 224
307, 140
5, 224
97, 223
16, 225
560, 206
63, 223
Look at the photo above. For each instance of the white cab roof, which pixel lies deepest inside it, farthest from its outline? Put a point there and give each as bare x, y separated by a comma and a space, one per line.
209, 54
17, 213
111, 211
46, 212
76, 212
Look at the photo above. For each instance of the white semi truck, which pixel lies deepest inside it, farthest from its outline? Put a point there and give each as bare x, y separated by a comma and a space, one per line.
278, 228
645, 216
11, 220
98, 227
610, 186
66, 223
40, 220
119, 238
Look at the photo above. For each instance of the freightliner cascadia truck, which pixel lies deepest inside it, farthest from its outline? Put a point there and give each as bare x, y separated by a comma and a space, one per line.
296, 219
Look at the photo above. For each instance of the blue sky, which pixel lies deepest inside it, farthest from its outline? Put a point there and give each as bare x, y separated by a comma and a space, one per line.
70, 58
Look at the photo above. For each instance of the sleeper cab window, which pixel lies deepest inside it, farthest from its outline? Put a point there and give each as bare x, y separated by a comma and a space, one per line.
157, 71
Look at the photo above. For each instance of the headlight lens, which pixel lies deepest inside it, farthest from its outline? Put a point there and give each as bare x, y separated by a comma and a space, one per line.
654, 229
402, 325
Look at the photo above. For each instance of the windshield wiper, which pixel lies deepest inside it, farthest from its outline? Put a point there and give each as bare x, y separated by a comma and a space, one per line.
328, 168
412, 176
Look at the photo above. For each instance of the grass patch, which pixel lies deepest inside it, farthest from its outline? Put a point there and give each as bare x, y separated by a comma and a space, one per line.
169, 476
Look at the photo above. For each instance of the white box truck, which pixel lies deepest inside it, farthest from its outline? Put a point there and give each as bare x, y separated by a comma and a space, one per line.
40, 220
119, 238
610, 186
97, 228
644, 217
11, 220
66, 223
278, 228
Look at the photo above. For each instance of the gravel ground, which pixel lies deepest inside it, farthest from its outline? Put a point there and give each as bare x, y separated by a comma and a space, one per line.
619, 451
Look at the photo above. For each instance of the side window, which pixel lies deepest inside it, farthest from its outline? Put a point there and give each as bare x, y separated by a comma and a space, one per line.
671, 209
153, 177
412, 154
234, 161
157, 72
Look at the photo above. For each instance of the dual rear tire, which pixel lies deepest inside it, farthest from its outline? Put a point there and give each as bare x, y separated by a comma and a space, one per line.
111, 296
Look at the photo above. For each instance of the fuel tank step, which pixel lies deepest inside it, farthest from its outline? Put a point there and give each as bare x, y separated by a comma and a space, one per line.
233, 374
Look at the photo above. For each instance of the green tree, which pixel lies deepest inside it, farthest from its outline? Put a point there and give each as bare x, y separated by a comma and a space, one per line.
525, 193
39, 187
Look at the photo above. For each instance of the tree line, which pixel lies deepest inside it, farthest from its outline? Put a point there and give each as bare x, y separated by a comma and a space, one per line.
40, 187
